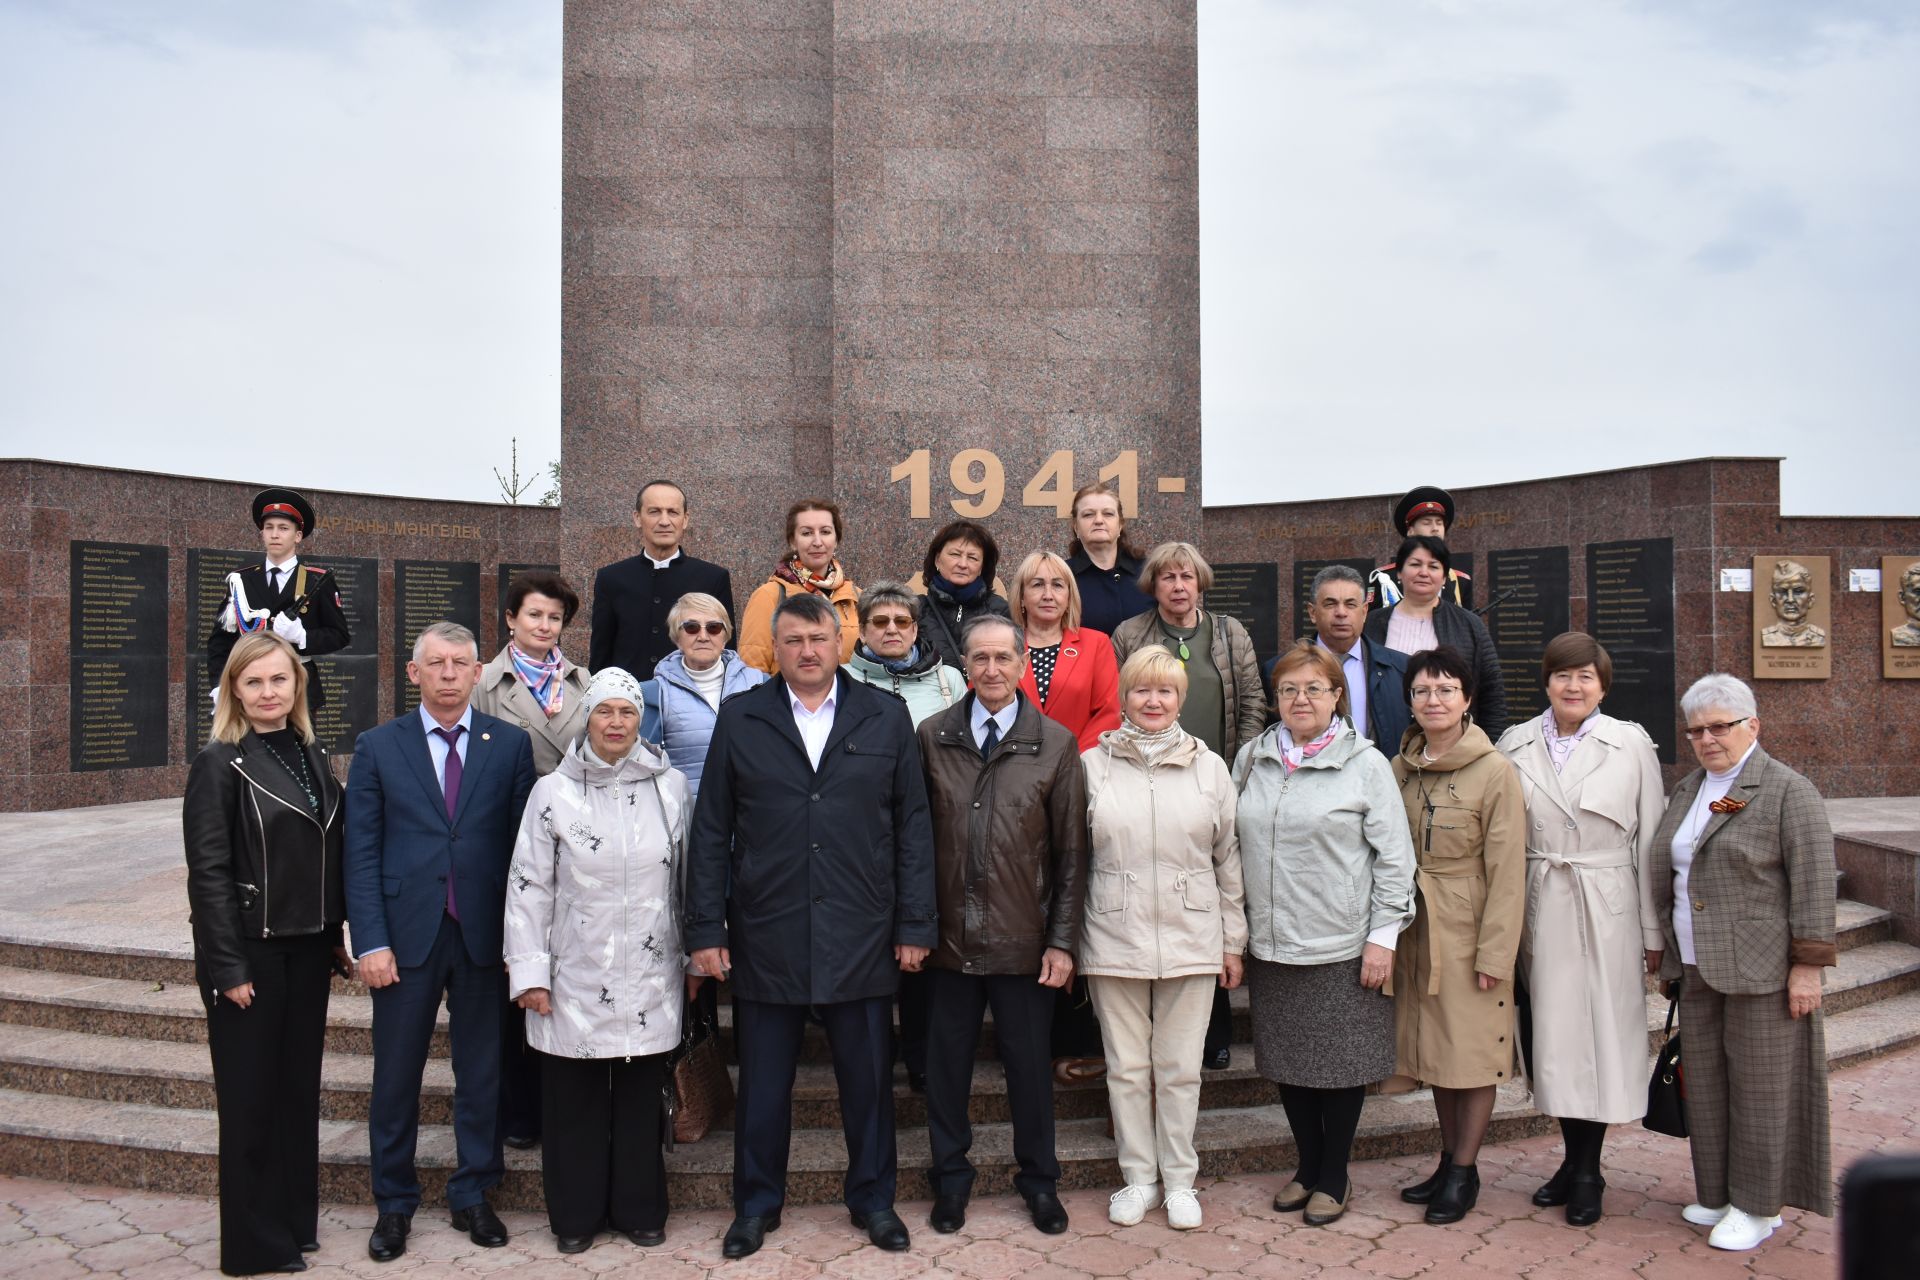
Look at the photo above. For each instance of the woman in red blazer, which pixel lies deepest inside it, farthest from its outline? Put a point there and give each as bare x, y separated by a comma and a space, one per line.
1071, 673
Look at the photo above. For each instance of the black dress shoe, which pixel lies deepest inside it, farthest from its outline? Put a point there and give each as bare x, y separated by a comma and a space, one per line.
298, 1264
1459, 1190
1421, 1192
1554, 1190
573, 1244
648, 1237
482, 1225
949, 1214
1584, 1193
746, 1235
310, 1246
884, 1228
521, 1141
1218, 1060
1048, 1213
389, 1238
916, 1080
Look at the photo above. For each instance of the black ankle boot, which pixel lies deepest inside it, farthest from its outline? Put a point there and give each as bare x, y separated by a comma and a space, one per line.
1421, 1192
1583, 1199
1459, 1190
1554, 1190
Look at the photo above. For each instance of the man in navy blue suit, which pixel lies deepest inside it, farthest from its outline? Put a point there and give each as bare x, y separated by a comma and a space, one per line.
433, 807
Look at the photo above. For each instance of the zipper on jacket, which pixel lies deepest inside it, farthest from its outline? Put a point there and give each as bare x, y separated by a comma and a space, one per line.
1153, 855
626, 920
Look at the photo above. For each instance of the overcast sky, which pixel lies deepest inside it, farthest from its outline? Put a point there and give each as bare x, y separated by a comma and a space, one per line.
1494, 238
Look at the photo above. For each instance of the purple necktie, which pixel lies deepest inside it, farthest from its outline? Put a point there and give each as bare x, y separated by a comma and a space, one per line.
450, 785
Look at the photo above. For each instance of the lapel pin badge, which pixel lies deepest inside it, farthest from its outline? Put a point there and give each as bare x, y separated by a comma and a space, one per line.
486, 737
1727, 806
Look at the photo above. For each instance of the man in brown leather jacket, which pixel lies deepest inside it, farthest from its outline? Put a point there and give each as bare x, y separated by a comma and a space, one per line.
1009, 805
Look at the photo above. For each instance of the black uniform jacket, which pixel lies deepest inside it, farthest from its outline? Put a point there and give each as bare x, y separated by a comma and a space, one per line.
810, 876
631, 600
260, 862
318, 606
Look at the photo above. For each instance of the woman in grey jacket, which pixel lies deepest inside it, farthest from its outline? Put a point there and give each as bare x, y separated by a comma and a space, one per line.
893, 656
593, 955
1328, 867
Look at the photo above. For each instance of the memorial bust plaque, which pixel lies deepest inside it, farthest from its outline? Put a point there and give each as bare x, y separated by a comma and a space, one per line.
1900, 617
1792, 617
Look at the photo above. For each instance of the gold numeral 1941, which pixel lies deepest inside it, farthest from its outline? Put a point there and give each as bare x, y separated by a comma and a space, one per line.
979, 481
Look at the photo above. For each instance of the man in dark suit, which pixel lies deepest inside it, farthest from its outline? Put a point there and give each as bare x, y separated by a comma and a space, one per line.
298, 602
1376, 675
810, 882
433, 808
631, 599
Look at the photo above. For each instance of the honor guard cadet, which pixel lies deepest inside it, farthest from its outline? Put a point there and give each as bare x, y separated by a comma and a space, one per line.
1425, 510
297, 601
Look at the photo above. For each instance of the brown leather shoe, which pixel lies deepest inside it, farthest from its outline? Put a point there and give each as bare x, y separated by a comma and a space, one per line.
1322, 1209
1072, 1071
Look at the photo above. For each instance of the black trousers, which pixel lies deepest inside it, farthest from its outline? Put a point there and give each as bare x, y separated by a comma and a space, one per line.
602, 1164
1023, 1012
520, 1094
860, 1036
266, 1084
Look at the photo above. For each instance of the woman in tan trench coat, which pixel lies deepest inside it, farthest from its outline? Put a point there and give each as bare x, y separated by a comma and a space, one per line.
1453, 970
1594, 799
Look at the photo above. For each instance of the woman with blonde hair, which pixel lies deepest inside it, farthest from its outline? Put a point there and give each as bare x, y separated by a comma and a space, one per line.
1226, 706
263, 831
1072, 673
1165, 925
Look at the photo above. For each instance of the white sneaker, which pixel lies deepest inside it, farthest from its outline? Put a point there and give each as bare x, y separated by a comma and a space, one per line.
1183, 1210
1701, 1216
1740, 1231
1127, 1206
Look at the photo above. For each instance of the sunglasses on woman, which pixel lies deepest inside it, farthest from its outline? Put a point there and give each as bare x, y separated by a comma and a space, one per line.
691, 628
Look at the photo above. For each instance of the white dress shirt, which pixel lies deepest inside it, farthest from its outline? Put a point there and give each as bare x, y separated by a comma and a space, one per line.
1685, 839
286, 572
660, 564
1003, 718
815, 726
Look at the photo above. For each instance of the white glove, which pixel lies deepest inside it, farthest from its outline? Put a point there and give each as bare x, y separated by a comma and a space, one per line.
290, 629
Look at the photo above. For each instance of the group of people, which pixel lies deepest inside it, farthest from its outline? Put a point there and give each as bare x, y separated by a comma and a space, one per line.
1071, 796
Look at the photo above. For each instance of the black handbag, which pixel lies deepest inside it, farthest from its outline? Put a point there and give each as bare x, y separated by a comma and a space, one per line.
1667, 1087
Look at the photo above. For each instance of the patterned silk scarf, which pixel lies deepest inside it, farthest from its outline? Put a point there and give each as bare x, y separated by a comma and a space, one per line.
542, 676
1559, 749
1291, 756
791, 570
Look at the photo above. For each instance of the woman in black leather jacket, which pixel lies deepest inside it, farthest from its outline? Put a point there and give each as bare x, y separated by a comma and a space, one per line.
264, 830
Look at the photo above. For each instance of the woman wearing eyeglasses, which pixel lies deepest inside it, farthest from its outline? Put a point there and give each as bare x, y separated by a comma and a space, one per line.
1743, 889
1594, 796
690, 683
892, 655
1328, 873
1453, 972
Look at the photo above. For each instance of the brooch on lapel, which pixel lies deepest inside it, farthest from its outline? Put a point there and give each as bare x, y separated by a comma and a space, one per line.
1727, 806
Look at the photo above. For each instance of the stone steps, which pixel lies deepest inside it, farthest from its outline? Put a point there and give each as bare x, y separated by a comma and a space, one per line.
172, 1150
1870, 975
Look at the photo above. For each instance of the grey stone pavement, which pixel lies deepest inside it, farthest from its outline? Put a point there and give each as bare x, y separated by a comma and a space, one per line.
49, 1230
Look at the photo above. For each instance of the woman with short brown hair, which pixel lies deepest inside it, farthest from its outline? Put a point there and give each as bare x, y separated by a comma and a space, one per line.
1594, 797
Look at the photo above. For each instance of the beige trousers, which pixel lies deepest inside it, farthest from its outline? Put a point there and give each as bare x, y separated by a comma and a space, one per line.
1155, 1030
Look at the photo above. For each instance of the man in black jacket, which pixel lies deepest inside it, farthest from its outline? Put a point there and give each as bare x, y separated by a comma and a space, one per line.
1375, 674
810, 883
631, 598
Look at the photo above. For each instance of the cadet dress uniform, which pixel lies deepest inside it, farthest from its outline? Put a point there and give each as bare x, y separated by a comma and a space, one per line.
302, 600
1383, 585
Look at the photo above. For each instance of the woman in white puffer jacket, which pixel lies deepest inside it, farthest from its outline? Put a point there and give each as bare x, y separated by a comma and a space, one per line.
593, 954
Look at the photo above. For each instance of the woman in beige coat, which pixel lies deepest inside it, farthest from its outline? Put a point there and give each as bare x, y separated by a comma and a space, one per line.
1453, 971
1594, 799
1165, 924
530, 682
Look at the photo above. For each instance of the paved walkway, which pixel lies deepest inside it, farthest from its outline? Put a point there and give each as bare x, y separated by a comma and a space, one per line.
51, 1230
